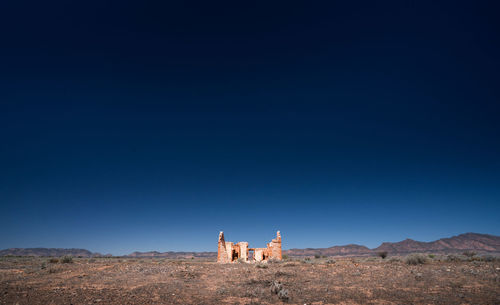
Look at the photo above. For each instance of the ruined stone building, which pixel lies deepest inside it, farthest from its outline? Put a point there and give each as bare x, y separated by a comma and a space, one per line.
229, 252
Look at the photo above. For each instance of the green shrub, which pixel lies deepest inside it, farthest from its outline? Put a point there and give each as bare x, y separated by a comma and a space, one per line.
284, 256
66, 259
54, 260
431, 256
382, 254
317, 256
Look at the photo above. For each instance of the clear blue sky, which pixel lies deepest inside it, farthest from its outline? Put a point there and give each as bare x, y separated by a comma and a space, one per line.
150, 126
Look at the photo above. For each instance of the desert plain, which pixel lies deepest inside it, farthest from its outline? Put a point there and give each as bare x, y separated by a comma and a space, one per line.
372, 280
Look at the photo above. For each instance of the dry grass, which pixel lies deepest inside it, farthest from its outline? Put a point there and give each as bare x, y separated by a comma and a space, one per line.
162, 281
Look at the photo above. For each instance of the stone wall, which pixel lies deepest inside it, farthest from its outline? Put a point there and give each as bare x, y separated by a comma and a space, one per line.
229, 252
274, 247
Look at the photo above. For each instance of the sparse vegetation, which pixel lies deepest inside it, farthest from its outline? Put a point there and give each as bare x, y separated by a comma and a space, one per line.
276, 287
221, 291
54, 260
52, 270
285, 257
395, 259
283, 295
416, 259
308, 260
316, 256
469, 253
369, 259
455, 258
431, 256
186, 281
281, 273
490, 258
66, 259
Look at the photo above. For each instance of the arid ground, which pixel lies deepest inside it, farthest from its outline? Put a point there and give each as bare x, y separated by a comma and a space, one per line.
313, 281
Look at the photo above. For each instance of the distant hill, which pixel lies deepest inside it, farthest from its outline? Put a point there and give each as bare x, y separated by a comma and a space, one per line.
480, 243
460, 243
172, 254
353, 250
47, 252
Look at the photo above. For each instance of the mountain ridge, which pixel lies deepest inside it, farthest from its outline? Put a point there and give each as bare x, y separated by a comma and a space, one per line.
48, 252
481, 243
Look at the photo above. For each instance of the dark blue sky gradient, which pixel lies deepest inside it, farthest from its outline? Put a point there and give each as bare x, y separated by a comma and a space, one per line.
150, 126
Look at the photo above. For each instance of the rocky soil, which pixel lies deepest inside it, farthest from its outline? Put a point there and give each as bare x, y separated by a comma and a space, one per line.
312, 281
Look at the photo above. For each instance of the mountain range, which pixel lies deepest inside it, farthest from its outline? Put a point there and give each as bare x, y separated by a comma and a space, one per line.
53, 252
480, 243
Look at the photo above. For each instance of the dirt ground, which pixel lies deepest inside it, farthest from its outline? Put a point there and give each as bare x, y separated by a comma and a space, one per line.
314, 281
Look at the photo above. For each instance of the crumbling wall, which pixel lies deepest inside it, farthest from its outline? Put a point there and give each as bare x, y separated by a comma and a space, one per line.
229, 252
258, 255
222, 256
243, 246
274, 247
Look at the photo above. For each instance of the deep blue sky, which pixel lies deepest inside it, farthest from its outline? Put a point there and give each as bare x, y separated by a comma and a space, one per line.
144, 126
